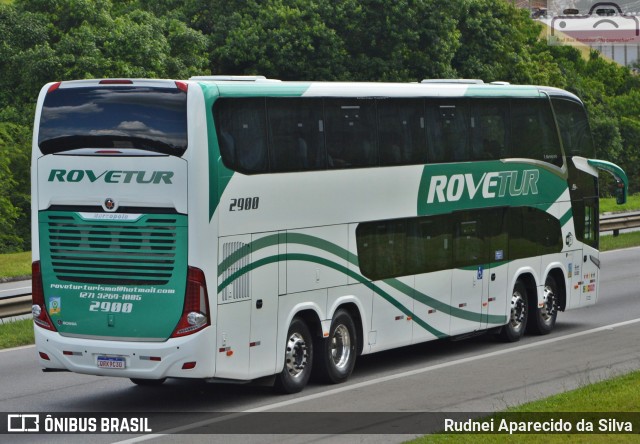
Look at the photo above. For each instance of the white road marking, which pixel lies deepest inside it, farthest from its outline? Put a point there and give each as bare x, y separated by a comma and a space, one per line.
383, 379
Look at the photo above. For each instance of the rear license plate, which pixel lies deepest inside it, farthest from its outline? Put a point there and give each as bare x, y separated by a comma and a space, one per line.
111, 362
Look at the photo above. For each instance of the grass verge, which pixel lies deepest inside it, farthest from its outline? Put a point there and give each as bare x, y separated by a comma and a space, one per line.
623, 240
608, 204
16, 333
15, 264
618, 395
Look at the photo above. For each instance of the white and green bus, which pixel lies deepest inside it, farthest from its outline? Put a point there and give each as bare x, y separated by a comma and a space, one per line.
238, 228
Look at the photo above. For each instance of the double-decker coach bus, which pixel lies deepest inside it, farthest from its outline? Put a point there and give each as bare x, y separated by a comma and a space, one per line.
236, 228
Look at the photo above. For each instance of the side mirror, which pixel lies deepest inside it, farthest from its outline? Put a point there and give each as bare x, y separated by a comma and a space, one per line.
621, 196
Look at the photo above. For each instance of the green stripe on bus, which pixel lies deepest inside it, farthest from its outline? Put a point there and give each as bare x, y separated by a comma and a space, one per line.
394, 283
566, 217
291, 238
327, 263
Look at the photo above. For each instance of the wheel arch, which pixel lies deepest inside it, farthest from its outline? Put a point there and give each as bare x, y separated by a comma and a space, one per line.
529, 281
559, 277
311, 318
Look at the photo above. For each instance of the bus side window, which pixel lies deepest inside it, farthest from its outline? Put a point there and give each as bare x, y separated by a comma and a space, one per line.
296, 142
488, 129
532, 232
241, 129
536, 135
382, 251
350, 133
431, 242
401, 123
448, 131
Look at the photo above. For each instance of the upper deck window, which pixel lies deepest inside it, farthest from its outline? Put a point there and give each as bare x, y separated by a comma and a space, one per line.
272, 135
144, 118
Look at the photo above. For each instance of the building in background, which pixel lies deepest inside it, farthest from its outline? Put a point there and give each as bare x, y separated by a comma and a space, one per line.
612, 28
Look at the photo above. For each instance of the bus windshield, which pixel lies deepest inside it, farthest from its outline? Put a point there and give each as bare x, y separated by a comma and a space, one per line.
151, 119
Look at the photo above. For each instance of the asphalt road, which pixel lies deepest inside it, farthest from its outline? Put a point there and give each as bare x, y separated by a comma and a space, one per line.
475, 375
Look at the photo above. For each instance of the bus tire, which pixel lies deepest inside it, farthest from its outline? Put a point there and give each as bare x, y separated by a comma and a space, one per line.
148, 382
337, 352
544, 318
298, 358
514, 329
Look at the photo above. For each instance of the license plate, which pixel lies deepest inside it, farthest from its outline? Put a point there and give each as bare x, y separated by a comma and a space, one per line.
111, 362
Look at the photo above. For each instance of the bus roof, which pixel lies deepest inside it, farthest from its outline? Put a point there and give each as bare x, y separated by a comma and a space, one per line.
261, 86
234, 86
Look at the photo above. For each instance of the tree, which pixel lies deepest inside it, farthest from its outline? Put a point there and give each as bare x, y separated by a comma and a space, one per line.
14, 188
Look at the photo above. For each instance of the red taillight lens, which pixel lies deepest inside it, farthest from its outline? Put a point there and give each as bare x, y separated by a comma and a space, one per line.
53, 87
182, 86
195, 314
39, 308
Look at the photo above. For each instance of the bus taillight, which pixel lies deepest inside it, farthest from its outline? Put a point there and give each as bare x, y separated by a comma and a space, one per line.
195, 314
53, 87
182, 86
39, 308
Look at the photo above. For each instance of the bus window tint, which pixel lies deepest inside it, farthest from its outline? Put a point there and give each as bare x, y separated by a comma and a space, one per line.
448, 131
150, 119
350, 132
468, 245
241, 130
382, 249
488, 130
535, 131
574, 128
402, 137
532, 232
430, 241
296, 139
591, 229
404, 247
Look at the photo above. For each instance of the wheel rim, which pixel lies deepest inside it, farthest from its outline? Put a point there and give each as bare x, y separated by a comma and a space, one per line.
518, 310
340, 347
550, 304
296, 355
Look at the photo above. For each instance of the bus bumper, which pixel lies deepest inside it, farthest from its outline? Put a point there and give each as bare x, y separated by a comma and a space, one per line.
172, 358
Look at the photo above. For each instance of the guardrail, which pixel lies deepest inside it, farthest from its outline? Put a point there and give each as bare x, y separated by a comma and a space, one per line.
20, 304
15, 305
621, 221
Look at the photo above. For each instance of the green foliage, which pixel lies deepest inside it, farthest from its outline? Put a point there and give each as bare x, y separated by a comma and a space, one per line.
404, 40
14, 188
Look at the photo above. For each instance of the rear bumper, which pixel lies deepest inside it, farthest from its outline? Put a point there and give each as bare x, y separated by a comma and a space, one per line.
144, 360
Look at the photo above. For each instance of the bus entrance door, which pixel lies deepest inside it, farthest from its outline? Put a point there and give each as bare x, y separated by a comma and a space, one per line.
468, 280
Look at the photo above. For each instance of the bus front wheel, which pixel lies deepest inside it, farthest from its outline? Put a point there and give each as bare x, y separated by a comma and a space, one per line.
514, 330
337, 353
298, 358
544, 318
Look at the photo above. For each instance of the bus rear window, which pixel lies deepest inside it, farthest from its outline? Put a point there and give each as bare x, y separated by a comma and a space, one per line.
151, 119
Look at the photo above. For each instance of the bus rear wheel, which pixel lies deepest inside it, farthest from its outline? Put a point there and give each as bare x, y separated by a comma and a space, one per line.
298, 358
514, 330
337, 353
544, 318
